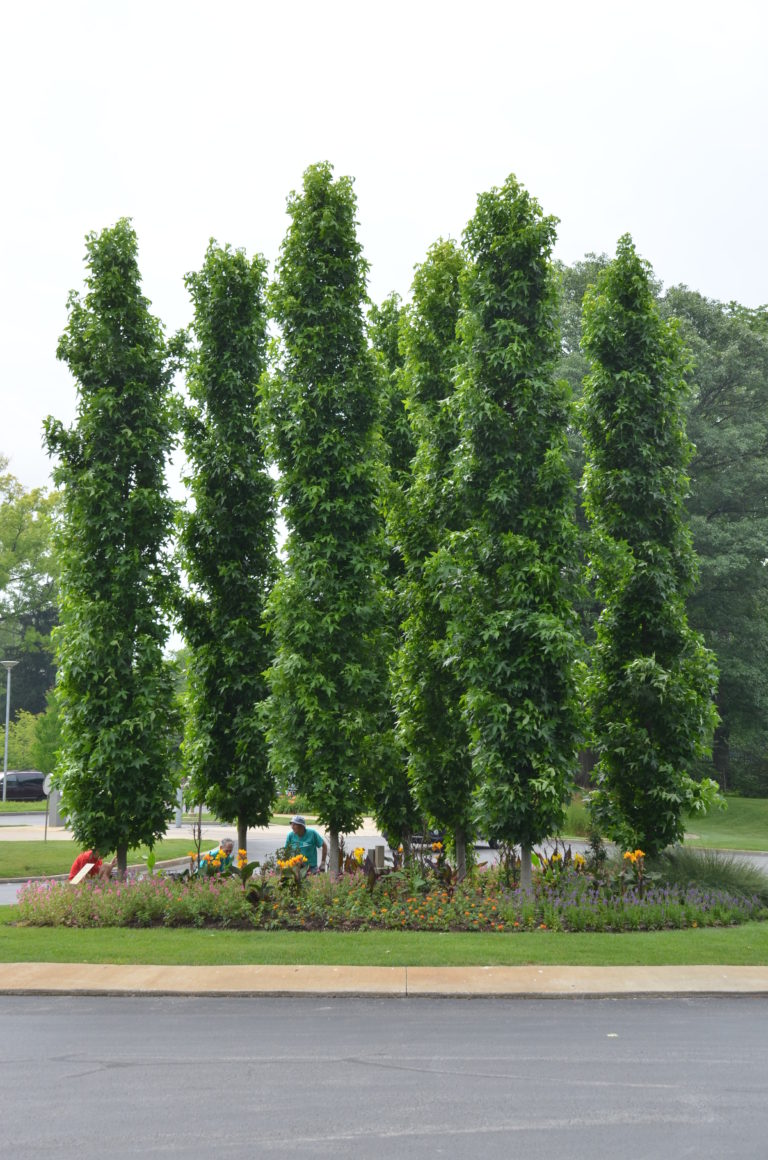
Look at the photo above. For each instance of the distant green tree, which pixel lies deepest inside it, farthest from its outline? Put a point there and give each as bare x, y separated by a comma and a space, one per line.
506, 581
28, 597
21, 740
328, 702
728, 513
47, 740
228, 542
651, 683
428, 687
117, 580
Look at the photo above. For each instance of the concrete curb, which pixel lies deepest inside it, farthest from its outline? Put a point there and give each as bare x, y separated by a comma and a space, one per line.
390, 982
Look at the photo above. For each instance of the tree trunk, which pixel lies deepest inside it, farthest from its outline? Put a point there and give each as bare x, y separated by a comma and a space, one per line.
526, 874
721, 757
242, 835
460, 842
122, 860
587, 762
333, 853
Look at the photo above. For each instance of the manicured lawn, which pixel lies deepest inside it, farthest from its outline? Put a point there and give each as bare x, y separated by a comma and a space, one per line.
742, 826
745, 945
37, 858
22, 807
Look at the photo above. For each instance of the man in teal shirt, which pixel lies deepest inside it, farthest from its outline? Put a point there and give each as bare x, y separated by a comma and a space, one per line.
306, 842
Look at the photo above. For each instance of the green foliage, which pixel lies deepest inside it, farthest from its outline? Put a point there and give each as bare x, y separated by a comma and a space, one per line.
652, 679
28, 570
393, 804
47, 740
505, 581
328, 680
728, 509
427, 691
117, 582
22, 735
228, 541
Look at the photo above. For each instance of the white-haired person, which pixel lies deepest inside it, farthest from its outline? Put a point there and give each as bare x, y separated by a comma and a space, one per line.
218, 859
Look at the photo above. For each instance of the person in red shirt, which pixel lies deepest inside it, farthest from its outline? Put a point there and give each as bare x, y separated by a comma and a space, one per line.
100, 868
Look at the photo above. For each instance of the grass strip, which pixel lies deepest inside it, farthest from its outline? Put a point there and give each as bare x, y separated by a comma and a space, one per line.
22, 807
37, 858
745, 945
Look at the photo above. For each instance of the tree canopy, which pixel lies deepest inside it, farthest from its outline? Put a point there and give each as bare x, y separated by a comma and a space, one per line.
505, 580
328, 677
117, 579
652, 680
228, 541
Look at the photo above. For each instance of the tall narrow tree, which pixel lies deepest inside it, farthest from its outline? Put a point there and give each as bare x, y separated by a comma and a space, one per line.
393, 804
117, 582
427, 686
328, 678
506, 579
652, 680
228, 542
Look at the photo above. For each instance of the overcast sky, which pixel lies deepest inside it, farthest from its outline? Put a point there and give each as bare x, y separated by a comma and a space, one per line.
196, 119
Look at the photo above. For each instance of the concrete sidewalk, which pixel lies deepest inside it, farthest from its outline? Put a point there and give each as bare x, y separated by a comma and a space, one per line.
393, 982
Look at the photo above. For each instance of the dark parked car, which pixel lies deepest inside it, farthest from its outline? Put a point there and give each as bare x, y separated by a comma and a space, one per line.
24, 785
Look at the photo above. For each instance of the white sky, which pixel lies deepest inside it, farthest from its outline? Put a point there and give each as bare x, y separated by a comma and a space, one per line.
196, 119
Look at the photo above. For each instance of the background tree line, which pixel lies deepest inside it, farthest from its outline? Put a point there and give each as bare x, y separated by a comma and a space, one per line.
421, 653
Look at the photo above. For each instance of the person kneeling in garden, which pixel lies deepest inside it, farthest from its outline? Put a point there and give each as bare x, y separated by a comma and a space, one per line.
306, 842
220, 858
98, 868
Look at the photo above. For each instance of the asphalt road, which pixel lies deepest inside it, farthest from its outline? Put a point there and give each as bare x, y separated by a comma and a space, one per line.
383, 1079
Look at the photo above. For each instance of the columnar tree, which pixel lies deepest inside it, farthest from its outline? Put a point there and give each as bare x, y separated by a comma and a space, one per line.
117, 582
427, 685
393, 803
506, 579
228, 542
652, 680
328, 678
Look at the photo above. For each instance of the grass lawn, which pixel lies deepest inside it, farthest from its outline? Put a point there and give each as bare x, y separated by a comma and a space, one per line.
35, 858
742, 826
745, 945
22, 807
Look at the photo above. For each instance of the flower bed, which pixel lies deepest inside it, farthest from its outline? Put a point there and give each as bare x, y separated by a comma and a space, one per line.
563, 898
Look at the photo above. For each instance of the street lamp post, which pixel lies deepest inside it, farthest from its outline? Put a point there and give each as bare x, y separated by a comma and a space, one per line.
7, 665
